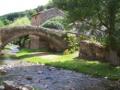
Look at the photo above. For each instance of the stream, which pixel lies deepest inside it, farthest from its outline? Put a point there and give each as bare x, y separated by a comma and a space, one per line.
8, 51
49, 78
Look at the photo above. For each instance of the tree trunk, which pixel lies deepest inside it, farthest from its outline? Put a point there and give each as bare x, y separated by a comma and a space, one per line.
111, 23
113, 52
113, 58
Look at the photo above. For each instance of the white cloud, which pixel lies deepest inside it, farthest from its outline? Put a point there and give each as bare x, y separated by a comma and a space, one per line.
8, 6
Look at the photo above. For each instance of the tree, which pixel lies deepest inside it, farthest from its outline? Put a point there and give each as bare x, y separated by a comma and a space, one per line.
1, 24
21, 21
97, 13
39, 9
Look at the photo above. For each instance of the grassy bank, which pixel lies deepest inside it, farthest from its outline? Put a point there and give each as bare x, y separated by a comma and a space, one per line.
71, 62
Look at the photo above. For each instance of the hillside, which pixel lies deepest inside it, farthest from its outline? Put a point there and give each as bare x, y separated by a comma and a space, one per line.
8, 19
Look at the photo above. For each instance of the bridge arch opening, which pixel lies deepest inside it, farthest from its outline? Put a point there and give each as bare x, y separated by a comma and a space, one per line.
18, 43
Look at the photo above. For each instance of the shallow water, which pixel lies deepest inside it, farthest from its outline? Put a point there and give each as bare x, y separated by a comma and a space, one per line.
10, 51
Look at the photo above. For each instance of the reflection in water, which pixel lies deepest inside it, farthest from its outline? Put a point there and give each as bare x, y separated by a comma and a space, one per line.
10, 50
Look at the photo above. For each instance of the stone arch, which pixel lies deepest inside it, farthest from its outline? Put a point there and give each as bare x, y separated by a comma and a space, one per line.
39, 19
52, 36
43, 16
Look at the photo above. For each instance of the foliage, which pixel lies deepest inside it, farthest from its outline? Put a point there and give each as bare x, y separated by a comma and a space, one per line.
21, 41
1, 24
39, 8
4, 21
96, 13
21, 21
29, 13
12, 16
49, 5
70, 62
73, 43
9, 18
55, 23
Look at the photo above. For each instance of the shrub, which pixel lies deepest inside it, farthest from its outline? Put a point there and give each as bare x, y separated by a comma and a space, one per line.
73, 43
21, 41
21, 21
1, 24
55, 23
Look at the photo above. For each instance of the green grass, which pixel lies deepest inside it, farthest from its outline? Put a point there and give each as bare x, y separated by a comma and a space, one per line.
70, 62
2, 57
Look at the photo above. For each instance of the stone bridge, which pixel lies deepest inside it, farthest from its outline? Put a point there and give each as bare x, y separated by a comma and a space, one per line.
50, 38
37, 20
54, 38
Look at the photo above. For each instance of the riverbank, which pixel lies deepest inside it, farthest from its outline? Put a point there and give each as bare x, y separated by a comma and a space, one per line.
70, 72
44, 77
70, 62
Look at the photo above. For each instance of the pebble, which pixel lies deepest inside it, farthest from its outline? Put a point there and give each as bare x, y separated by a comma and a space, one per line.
29, 78
40, 72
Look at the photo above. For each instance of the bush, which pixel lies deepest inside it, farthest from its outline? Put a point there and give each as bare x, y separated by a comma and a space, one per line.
73, 43
21, 41
21, 21
1, 24
54, 23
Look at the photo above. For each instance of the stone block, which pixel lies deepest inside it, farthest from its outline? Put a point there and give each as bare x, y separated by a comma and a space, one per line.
92, 51
96, 51
11, 85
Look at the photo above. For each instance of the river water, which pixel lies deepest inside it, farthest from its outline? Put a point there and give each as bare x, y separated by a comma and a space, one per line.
10, 50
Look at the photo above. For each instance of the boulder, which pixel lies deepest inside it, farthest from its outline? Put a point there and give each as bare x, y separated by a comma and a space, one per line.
11, 85
96, 51
91, 50
1, 87
3, 72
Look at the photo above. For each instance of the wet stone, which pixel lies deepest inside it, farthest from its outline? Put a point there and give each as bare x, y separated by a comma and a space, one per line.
29, 78
11, 85
1, 87
3, 72
40, 72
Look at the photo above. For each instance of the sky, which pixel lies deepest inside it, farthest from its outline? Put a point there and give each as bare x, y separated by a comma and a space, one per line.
9, 6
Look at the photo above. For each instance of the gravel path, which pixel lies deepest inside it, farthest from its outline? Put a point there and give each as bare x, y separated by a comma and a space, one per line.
50, 78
